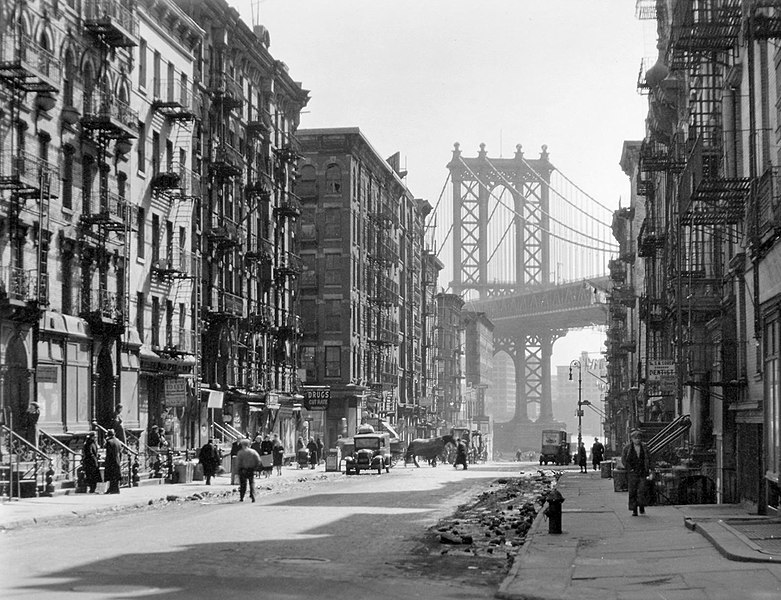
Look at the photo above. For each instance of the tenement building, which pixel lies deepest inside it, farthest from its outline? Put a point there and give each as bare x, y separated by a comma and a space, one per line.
695, 315
361, 245
147, 222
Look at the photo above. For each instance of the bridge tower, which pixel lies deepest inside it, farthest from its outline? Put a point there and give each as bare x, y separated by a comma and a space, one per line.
476, 183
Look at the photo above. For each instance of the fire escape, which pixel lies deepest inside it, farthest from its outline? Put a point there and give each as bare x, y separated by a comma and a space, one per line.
710, 205
176, 261
288, 265
27, 181
383, 300
108, 123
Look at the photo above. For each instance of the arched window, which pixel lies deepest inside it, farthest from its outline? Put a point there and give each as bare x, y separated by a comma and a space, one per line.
70, 76
333, 180
306, 182
89, 84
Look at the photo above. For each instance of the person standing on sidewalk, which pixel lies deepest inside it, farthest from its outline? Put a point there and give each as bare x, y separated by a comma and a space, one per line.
582, 459
247, 462
209, 457
90, 462
278, 453
597, 453
112, 464
637, 464
313, 453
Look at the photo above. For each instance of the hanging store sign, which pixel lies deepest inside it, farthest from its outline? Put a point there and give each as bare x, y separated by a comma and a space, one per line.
661, 370
175, 392
316, 397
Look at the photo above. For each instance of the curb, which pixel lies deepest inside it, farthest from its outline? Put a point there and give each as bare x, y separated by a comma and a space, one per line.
731, 543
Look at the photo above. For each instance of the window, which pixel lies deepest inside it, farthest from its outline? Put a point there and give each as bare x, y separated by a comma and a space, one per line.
67, 84
332, 266
67, 178
155, 153
169, 323
67, 284
140, 305
142, 64
309, 316
156, 74
87, 179
333, 180
141, 233
155, 321
141, 147
333, 225
306, 183
155, 238
307, 355
333, 362
333, 315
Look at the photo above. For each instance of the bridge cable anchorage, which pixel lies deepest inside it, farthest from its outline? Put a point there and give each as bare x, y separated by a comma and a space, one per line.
607, 247
551, 217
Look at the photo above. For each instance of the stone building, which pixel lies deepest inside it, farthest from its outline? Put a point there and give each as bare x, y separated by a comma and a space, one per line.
361, 245
704, 233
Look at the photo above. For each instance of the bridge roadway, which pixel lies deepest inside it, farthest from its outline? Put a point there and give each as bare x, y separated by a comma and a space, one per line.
549, 308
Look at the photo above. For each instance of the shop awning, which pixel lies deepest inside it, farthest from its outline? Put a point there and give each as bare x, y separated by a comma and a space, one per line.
242, 395
389, 428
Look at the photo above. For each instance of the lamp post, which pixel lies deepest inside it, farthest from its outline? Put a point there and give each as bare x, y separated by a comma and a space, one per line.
576, 363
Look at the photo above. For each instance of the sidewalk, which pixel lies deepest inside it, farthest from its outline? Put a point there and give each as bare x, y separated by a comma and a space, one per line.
670, 553
24, 512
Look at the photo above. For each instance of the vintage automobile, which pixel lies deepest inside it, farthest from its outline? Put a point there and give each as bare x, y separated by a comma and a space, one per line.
370, 451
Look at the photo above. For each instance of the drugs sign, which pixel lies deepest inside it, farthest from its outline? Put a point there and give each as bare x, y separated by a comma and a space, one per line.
316, 397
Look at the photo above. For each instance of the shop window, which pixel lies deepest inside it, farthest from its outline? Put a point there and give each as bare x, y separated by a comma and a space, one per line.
333, 180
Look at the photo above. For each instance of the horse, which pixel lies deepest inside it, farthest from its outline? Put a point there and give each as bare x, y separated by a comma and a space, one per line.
428, 448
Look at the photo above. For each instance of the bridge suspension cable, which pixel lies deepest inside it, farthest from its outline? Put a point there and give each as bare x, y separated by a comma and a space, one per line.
606, 246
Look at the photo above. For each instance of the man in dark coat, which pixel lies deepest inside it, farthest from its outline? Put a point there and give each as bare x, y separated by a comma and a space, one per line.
461, 453
636, 461
30, 423
90, 462
582, 459
112, 464
313, 452
209, 457
597, 453
278, 454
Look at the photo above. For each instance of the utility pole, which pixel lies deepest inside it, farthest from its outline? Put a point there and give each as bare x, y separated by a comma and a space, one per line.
576, 363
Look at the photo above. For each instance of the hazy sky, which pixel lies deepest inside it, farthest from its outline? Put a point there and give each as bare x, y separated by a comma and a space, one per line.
418, 75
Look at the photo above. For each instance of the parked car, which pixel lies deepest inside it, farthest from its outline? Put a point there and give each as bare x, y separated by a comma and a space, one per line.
370, 451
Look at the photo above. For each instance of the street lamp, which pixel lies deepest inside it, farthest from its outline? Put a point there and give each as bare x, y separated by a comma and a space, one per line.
576, 363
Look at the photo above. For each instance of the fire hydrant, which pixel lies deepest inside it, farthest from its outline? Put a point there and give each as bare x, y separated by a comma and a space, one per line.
553, 512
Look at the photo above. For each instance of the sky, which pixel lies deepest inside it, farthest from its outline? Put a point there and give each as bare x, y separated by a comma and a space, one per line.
418, 75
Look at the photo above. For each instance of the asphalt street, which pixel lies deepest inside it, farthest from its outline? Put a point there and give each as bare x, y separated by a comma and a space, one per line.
349, 537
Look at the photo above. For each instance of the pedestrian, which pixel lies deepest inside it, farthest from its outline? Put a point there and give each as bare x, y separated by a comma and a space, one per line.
266, 456
256, 443
313, 453
320, 448
90, 463
209, 457
112, 464
153, 437
247, 462
637, 464
461, 453
597, 453
117, 426
235, 447
278, 454
30, 423
582, 458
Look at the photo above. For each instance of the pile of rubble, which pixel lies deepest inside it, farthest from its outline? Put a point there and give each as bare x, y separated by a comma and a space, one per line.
496, 522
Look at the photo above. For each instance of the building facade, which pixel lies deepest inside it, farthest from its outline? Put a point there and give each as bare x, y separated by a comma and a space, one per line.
705, 185
361, 242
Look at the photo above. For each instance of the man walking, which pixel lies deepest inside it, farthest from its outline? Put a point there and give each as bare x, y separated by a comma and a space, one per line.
112, 464
247, 462
597, 453
209, 457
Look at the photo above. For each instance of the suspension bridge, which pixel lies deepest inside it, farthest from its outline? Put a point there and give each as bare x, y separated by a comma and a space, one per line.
530, 249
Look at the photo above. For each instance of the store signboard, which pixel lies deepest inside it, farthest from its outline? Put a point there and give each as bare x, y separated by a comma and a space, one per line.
316, 397
175, 392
